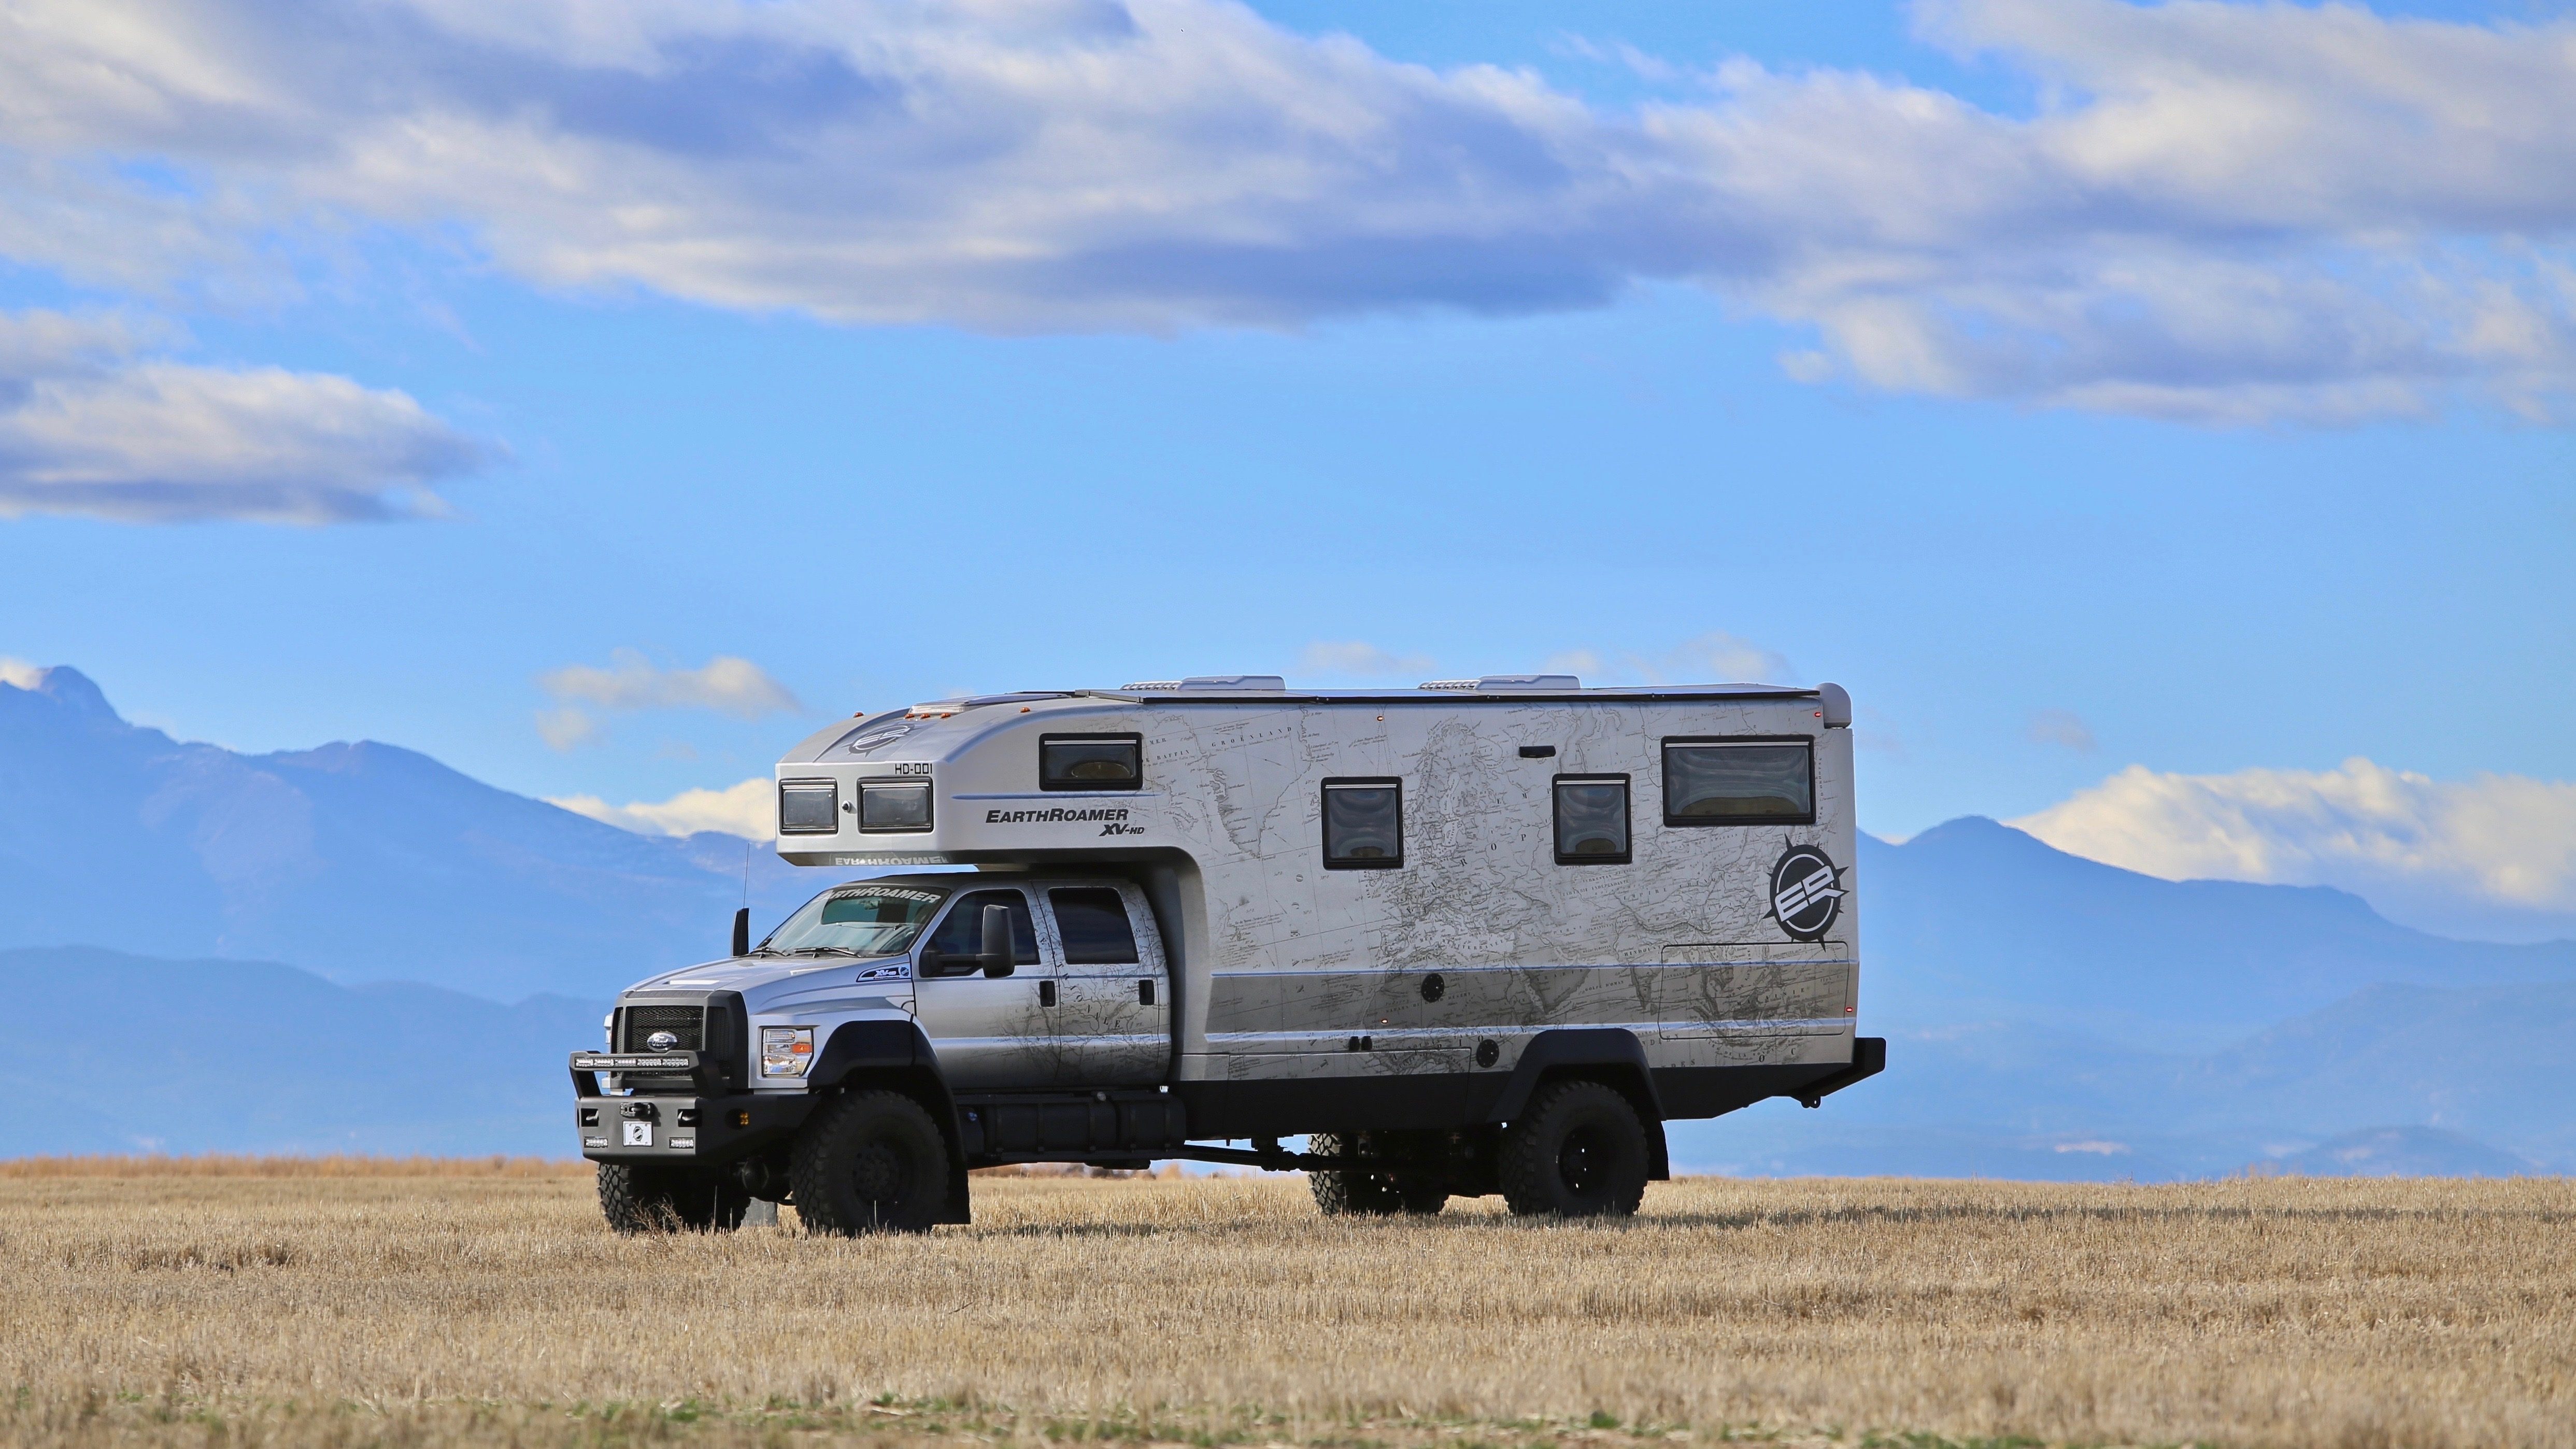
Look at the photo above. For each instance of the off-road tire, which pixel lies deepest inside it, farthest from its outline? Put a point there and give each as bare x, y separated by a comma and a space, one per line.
872, 1162
1578, 1151
1344, 1193
642, 1198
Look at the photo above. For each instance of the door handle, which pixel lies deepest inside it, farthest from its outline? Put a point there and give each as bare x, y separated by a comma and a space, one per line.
1144, 993
1046, 993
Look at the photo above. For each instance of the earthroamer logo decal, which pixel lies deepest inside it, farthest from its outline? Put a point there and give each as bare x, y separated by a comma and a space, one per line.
1044, 817
1806, 893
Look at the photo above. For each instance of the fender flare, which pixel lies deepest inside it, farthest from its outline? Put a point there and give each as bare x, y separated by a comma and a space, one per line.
898, 1049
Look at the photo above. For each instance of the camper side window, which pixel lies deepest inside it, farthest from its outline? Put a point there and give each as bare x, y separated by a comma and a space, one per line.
1739, 782
1592, 820
1363, 824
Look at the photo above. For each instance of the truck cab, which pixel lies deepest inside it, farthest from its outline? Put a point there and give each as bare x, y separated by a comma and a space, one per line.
1484, 937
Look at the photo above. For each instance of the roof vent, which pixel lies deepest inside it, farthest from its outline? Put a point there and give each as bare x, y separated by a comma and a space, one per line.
1504, 683
1271, 682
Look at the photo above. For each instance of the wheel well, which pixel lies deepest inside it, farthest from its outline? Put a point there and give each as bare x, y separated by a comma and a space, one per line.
1631, 1084
923, 1086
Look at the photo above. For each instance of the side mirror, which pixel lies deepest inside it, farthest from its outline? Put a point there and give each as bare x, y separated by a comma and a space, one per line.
995, 958
742, 932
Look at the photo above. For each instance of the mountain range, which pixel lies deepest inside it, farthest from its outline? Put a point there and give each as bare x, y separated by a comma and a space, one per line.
376, 953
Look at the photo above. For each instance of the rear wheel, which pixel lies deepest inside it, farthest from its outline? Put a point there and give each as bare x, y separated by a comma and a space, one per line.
1341, 1192
641, 1198
872, 1162
1577, 1152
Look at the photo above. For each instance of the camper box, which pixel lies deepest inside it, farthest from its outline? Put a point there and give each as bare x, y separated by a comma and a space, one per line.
1416, 926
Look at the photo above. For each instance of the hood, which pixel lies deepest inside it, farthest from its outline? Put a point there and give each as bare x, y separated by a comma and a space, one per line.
756, 975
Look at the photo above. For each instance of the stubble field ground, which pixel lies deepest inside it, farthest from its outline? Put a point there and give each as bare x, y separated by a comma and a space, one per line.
326, 1304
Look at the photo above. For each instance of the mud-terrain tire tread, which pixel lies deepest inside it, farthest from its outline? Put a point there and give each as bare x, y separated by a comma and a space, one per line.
641, 1198
825, 1155
1340, 1193
1534, 1186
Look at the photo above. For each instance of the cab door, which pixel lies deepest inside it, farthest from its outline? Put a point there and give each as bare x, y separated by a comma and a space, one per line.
989, 1032
1112, 1017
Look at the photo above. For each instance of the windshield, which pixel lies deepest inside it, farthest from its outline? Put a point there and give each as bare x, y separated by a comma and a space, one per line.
855, 920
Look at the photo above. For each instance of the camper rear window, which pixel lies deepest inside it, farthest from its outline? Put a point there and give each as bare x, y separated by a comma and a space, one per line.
1739, 782
1363, 824
1091, 762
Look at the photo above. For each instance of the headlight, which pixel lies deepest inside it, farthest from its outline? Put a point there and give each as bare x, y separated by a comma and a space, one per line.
786, 1051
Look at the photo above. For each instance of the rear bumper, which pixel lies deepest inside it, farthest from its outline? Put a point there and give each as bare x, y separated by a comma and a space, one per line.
702, 1130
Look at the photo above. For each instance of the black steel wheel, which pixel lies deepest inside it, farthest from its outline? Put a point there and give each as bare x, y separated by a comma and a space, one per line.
872, 1162
642, 1198
1578, 1151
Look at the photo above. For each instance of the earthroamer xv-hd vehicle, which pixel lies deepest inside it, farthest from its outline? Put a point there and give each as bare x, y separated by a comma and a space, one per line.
1482, 936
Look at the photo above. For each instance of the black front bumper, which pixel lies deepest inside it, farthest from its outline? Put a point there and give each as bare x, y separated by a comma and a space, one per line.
706, 1126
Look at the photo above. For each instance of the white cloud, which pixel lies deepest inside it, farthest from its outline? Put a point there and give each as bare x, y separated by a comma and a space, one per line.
1352, 658
19, 674
89, 426
727, 684
743, 810
2498, 847
2062, 727
567, 728
2218, 212
1716, 657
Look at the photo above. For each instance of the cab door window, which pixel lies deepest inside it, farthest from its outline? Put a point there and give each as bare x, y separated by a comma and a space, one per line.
958, 935
1093, 925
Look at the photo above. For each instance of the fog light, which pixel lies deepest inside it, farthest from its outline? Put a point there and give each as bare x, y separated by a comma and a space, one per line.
742, 1119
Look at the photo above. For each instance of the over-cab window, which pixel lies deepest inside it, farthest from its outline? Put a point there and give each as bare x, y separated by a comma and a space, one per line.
1363, 824
809, 807
1091, 762
1592, 820
1739, 782
894, 805
1093, 925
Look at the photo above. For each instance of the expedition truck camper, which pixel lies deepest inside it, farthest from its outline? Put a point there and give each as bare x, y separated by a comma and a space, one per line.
1484, 936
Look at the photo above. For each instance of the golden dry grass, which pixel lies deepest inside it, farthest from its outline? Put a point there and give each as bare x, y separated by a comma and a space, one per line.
491, 1306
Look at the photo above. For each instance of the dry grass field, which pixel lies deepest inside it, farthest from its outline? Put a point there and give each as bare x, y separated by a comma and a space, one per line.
311, 1305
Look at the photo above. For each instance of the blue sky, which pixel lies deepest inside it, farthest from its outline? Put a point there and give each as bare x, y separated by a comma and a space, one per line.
1953, 354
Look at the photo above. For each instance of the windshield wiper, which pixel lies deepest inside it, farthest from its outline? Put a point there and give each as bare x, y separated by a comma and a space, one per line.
822, 951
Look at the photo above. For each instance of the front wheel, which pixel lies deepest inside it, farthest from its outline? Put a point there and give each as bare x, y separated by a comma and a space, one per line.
1577, 1152
872, 1162
648, 1199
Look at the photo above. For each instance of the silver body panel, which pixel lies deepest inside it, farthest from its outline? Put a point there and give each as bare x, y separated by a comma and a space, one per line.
1274, 964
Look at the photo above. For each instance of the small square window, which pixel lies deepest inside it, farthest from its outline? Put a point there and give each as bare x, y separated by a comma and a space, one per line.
1739, 782
1363, 824
894, 806
1091, 762
1592, 820
809, 807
